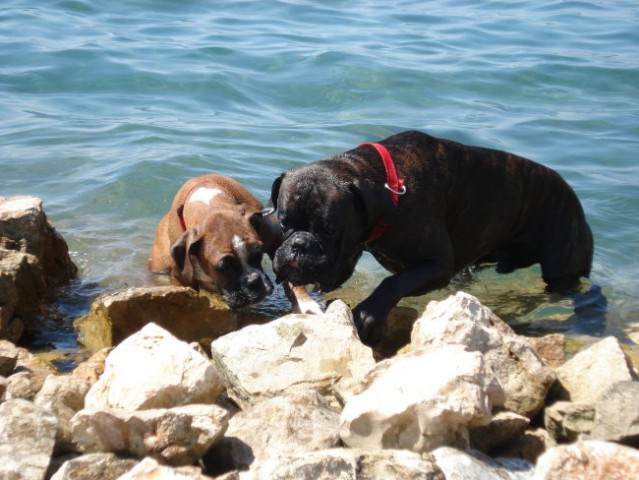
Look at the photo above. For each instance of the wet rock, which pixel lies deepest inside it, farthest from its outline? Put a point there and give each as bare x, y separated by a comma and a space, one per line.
461, 319
182, 311
588, 460
592, 371
430, 398
293, 352
472, 465
503, 428
34, 259
348, 465
22, 290
617, 415
24, 227
8, 358
27, 437
551, 348
103, 466
153, 369
63, 396
177, 436
567, 421
150, 469
295, 423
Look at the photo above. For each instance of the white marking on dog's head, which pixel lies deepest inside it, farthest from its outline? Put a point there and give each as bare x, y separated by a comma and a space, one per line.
239, 246
204, 195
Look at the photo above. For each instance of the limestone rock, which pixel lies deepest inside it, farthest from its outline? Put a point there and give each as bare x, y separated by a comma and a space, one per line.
182, 311
27, 437
430, 398
592, 371
461, 319
551, 348
22, 289
588, 460
150, 469
92, 369
24, 227
617, 415
295, 423
102, 466
153, 369
8, 358
566, 421
177, 436
34, 259
528, 446
293, 352
344, 464
473, 465
63, 396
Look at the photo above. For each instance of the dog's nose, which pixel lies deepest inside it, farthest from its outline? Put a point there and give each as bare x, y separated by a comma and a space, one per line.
298, 244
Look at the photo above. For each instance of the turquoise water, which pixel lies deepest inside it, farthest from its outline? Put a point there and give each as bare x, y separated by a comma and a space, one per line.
107, 107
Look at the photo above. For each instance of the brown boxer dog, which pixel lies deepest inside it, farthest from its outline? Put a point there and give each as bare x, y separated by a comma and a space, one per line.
213, 237
426, 208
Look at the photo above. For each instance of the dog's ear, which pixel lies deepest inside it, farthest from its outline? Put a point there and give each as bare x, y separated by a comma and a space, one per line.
268, 229
275, 192
187, 245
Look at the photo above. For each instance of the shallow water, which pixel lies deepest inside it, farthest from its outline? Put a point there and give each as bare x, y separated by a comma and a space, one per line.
108, 107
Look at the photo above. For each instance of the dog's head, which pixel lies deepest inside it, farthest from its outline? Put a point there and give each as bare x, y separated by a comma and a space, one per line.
320, 215
223, 255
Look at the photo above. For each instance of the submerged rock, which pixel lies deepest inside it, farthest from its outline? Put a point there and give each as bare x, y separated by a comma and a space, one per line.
181, 310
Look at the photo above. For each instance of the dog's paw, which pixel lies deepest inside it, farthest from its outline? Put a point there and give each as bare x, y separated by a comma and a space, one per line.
369, 324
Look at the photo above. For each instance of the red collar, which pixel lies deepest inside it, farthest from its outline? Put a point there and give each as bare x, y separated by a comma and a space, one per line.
394, 185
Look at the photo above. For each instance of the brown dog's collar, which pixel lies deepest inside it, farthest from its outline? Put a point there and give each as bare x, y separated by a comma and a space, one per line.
394, 185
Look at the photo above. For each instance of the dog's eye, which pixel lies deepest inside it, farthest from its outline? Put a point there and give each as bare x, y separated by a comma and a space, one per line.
227, 264
329, 230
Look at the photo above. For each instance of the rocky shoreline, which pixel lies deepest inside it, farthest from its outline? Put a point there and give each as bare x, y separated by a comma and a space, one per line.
178, 387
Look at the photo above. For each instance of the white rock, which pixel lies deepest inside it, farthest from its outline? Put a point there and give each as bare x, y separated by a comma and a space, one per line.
295, 423
422, 400
294, 352
589, 460
462, 319
27, 437
153, 369
592, 371
347, 464
150, 469
177, 436
63, 396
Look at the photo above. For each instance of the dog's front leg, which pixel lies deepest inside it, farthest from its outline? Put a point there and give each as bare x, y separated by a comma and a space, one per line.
370, 315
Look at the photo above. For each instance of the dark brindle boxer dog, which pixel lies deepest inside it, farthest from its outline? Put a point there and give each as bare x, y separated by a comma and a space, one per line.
448, 206
214, 236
